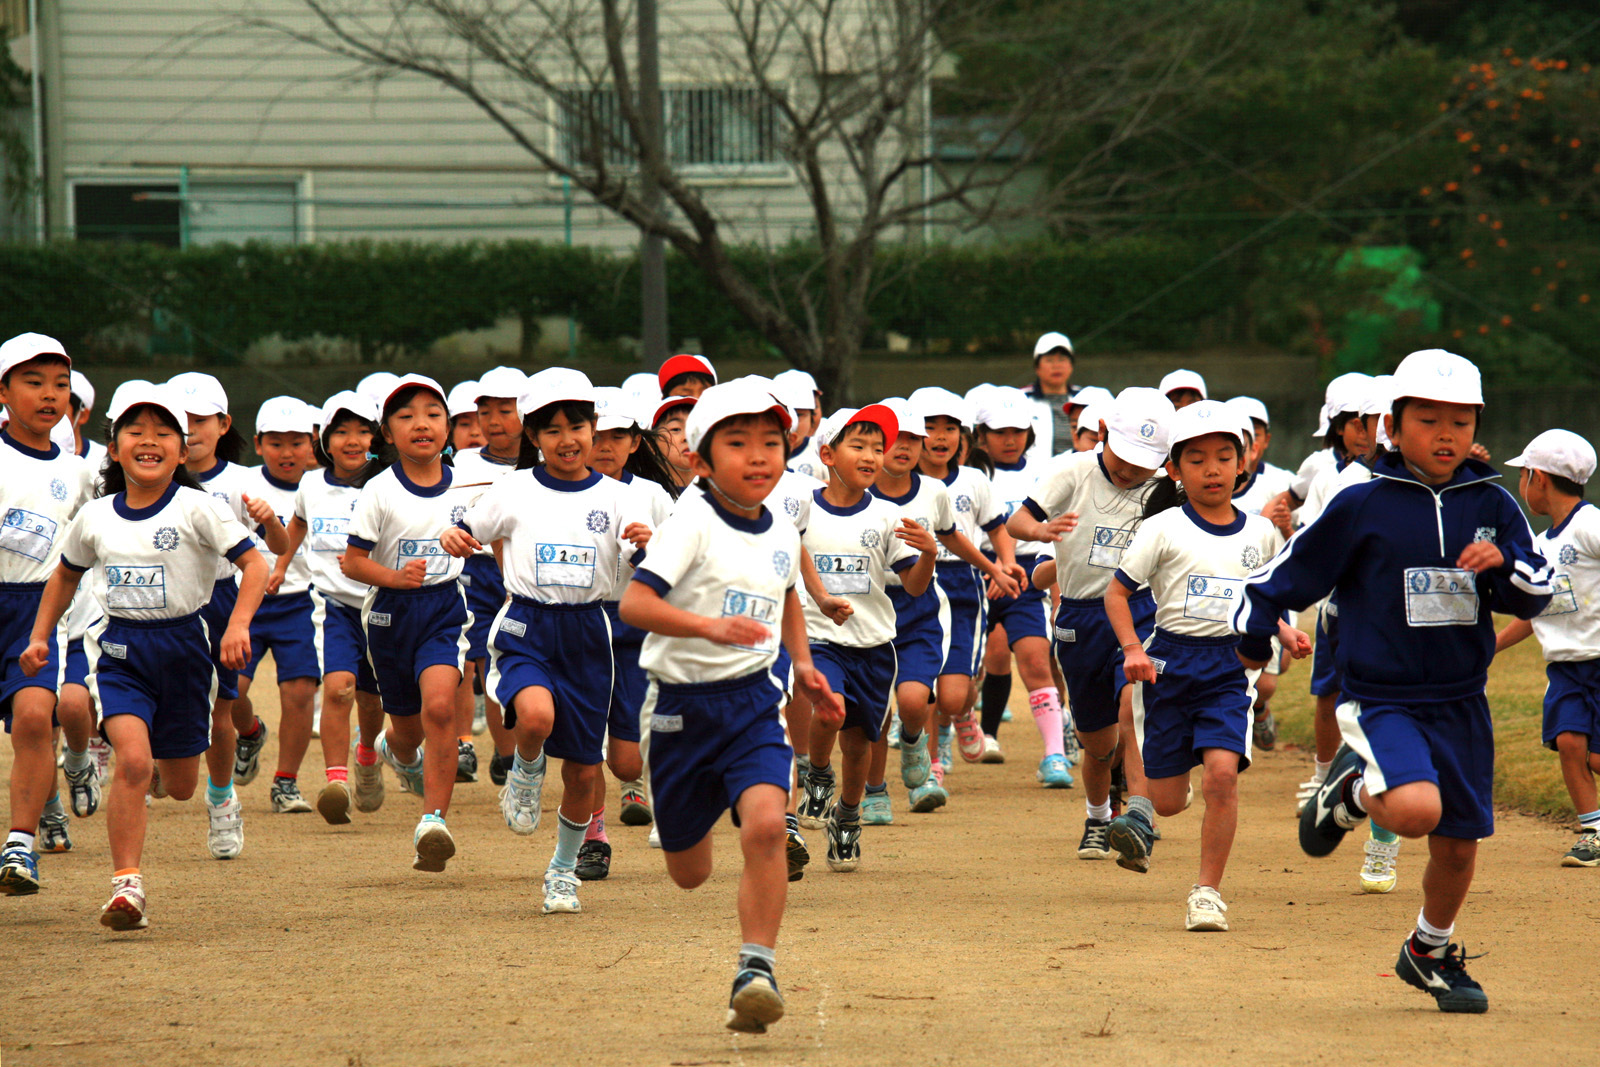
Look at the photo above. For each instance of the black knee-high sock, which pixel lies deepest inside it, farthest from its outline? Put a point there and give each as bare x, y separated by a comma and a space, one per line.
996, 692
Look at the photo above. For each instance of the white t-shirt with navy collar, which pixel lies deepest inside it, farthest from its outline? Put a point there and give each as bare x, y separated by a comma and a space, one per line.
1014, 483
1196, 569
1569, 629
229, 483
709, 561
327, 506
807, 460
855, 549
280, 496
1108, 517
155, 561
40, 492
563, 540
473, 466
397, 521
790, 499
973, 504
927, 504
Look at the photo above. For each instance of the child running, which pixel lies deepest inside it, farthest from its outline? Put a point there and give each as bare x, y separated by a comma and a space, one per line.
1090, 505
1192, 698
1556, 466
154, 539
717, 595
1423, 555
415, 613
565, 531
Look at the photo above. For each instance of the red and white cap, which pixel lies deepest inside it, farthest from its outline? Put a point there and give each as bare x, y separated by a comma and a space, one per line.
25, 346
667, 404
1559, 452
1183, 379
685, 365
131, 394
726, 401
406, 381
202, 394
284, 414
835, 424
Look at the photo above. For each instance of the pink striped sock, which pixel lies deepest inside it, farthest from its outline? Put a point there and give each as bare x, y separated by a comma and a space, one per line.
1046, 705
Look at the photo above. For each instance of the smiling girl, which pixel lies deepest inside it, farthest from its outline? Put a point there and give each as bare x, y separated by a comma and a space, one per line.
565, 532
153, 537
415, 614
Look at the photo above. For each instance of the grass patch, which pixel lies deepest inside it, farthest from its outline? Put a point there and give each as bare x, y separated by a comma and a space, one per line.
1526, 775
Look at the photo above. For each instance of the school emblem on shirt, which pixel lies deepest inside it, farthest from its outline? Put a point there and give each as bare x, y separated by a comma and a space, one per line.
166, 539
598, 521
1568, 555
1104, 534
870, 539
547, 553
220, 496
1250, 557
1420, 581
791, 506
1197, 585
1485, 533
963, 503
780, 563
58, 488
458, 513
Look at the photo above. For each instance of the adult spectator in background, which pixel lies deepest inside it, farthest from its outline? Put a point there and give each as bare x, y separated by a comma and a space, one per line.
1052, 387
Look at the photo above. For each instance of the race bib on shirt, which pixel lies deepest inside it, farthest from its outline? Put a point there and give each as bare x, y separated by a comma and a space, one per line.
433, 555
762, 609
1563, 601
28, 534
1441, 596
136, 588
844, 575
1109, 544
1211, 599
569, 565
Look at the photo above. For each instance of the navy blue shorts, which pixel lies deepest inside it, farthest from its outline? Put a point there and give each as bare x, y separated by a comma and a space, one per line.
1201, 699
1024, 615
1091, 657
708, 744
964, 592
77, 667
864, 678
565, 648
1325, 678
283, 626
486, 595
157, 670
1572, 701
782, 671
627, 690
341, 641
1450, 744
920, 641
410, 630
19, 606
216, 613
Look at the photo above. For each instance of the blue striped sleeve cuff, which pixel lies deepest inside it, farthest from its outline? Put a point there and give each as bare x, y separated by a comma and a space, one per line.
653, 581
239, 549
362, 543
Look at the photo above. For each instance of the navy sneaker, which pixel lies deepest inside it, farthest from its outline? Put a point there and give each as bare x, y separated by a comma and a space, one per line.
1442, 972
247, 755
798, 855
19, 871
756, 1002
594, 861
1134, 839
1326, 818
499, 766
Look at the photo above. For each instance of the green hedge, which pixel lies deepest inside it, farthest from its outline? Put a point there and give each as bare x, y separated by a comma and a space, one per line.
128, 301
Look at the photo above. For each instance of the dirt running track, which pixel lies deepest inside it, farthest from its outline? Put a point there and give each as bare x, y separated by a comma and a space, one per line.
973, 935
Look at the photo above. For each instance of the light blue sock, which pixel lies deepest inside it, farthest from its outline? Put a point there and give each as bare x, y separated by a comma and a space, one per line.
54, 803
569, 838
522, 766
1590, 821
75, 761
218, 794
1388, 837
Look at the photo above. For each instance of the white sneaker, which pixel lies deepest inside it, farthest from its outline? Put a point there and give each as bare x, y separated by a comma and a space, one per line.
1206, 910
316, 715
100, 752
410, 777
1306, 791
894, 730
125, 910
1378, 874
655, 836
225, 838
561, 893
333, 803
480, 715
991, 751
520, 798
369, 786
433, 843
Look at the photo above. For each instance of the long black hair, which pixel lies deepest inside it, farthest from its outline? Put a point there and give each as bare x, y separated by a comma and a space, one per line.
230, 446
576, 411
319, 446
1168, 492
113, 479
650, 463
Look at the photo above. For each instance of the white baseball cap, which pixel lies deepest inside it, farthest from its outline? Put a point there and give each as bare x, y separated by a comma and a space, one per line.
1138, 427
131, 394
403, 382
1050, 342
26, 346
613, 409
726, 401
1251, 408
501, 382
202, 394
1089, 418
82, 389
910, 422
61, 434
1089, 394
1380, 396
642, 386
1000, 412
462, 399
1244, 413
1434, 374
1200, 419
1346, 392
347, 400
932, 400
553, 385
801, 379
1559, 452
1183, 379
377, 385
284, 414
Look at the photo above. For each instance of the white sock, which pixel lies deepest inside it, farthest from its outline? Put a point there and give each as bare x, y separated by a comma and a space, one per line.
1322, 770
1099, 812
20, 837
1430, 934
75, 761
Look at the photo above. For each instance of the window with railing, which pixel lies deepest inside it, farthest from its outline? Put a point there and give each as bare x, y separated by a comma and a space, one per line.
13, 18
713, 127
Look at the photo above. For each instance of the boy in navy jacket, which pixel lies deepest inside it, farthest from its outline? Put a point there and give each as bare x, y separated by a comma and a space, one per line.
1420, 557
